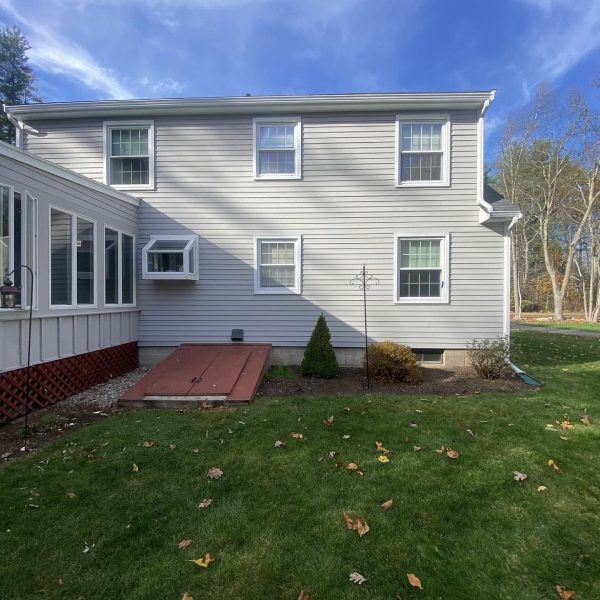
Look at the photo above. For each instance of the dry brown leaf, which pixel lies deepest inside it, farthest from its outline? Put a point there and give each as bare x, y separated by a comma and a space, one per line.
135, 468
205, 503
416, 448
554, 466
440, 450
71, 495
566, 425
585, 419
279, 444
186, 596
148, 443
452, 453
214, 473
564, 593
172, 446
204, 561
387, 504
414, 580
359, 525
357, 578
354, 467
518, 476
303, 595
296, 436
381, 448
183, 544
329, 421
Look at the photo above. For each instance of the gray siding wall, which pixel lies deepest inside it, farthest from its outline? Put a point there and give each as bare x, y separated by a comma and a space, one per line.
59, 333
347, 209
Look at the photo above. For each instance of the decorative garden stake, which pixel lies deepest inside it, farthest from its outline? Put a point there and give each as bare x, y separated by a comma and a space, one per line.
10, 297
364, 280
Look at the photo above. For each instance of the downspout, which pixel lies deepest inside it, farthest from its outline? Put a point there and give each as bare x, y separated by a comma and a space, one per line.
18, 125
485, 208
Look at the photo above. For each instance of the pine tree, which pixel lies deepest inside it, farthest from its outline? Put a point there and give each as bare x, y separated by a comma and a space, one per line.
319, 357
16, 77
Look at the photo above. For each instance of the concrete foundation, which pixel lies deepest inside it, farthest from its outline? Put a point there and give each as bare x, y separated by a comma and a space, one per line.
290, 355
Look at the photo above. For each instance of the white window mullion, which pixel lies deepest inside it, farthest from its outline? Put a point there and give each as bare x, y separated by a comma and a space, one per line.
120, 268
73, 260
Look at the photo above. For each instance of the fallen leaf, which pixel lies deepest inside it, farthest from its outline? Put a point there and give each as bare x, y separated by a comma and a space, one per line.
214, 473
470, 433
346, 437
205, 503
387, 504
414, 580
380, 448
440, 450
71, 495
303, 595
585, 419
566, 425
357, 578
564, 438
172, 446
554, 466
564, 593
413, 425
186, 596
416, 448
329, 421
184, 544
296, 436
518, 476
61, 582
359, 525
452, 453
382, 458
204, 561
418, 411
279, 444
135, 468
148, 444
541, 488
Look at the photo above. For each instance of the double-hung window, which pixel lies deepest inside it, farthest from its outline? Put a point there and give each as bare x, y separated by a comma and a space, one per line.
277, 148
119, 267
72, 260
422, 269
278, 265
423, 150
129, 154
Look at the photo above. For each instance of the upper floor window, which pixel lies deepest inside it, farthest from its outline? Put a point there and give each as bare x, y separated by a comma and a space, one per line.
129, 154
422, 269
277, 148
72, 260
423, 150
278, 265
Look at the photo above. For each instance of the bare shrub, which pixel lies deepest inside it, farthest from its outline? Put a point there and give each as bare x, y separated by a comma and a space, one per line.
489, 357
389, 362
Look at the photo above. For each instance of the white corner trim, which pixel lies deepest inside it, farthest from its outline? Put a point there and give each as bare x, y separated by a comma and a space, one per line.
445, 247
107, 126
407, 118
296, 121
507, 281
297, 240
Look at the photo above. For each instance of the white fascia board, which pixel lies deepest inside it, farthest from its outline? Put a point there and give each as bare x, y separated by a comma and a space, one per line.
254, 105
8, 151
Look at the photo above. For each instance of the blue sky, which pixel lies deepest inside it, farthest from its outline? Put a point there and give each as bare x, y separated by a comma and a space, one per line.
92, 49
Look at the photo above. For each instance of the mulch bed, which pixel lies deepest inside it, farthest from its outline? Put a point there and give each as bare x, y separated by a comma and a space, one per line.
436, 382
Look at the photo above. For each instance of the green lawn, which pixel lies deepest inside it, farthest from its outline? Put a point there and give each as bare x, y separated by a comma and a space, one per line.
465, 527
581, 326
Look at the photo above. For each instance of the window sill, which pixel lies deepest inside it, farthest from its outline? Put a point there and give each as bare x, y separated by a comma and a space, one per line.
277, 177
278, 291
72, 306
132, 188
423, 184
170, 276
423, 301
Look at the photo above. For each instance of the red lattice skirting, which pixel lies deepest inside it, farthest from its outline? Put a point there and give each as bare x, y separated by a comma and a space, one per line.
56, 380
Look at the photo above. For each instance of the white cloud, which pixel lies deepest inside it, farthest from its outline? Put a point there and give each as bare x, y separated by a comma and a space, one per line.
164, 86
52, 53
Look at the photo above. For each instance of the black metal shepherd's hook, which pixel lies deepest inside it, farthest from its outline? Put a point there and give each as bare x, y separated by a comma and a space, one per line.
8, 283
364, 280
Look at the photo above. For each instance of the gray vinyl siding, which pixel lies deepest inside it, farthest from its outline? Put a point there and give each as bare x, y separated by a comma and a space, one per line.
59, 333
347, 209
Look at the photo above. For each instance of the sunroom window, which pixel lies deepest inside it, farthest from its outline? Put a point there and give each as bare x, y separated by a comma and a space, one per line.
171, 257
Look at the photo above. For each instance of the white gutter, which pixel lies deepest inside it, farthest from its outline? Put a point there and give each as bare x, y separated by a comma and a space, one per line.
18, 125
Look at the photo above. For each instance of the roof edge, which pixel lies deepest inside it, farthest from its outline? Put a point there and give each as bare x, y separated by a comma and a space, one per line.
8, 151
254, 104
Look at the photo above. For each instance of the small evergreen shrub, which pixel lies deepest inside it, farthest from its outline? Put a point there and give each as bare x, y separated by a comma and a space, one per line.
389, 362
319, 357
489, 357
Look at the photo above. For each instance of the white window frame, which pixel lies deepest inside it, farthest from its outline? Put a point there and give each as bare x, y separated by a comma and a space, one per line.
258, 122
444, 298
187, 273
297, 241
28, 244
108, 126
119, 268
74, 217
424, 119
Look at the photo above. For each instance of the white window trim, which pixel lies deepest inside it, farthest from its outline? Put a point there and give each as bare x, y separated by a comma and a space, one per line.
297, 240
108, 126
119, 268
187, 273
425, 118
444, 261
259, 121
74, 217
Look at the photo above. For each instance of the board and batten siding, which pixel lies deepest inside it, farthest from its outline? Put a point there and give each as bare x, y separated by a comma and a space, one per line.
346, 207
64, 332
